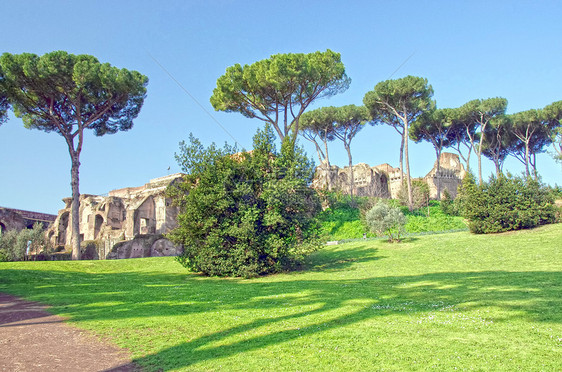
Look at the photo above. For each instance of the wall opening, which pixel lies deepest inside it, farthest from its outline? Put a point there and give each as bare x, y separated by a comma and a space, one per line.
63, 226
97, 226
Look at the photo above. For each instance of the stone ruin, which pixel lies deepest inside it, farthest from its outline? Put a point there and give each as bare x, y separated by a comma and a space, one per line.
451, 173
383, 181
134, 216
17, 219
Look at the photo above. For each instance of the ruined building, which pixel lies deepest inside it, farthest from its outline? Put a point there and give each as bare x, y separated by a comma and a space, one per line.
17, 219
383, 181
136, 216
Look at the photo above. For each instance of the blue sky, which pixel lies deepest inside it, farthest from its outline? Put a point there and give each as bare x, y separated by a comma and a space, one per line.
466, 49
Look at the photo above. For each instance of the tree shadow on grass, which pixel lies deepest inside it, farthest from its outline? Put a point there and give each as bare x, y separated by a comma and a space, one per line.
335, 260
277, 309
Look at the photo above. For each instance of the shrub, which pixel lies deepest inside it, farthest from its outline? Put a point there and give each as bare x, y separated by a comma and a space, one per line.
448, 205
383, 219
506, 203
245, 214
13, 244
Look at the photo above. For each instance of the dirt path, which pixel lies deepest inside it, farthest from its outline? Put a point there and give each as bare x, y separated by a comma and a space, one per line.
32, 339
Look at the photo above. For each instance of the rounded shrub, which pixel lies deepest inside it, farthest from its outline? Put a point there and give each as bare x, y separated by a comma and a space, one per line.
383, 219
245, 214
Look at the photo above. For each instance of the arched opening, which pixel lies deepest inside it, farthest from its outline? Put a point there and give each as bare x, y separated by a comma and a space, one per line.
63, 226
97, 226
2, 228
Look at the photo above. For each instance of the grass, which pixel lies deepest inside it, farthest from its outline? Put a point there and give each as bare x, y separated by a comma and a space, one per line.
443, 302
343, 222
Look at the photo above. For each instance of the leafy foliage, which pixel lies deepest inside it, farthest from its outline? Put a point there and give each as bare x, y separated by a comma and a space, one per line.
278, 90
448, 205
59, 90
245, 214
386, 220
13, 244
4, 105
506, 203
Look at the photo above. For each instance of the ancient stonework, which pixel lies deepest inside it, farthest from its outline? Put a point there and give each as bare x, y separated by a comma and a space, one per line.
451, 173
122, 215
368, 181
17, 219
383, 181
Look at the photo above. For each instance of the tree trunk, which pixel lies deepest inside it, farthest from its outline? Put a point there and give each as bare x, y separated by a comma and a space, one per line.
351, 178
527, 172
408, 178
497, 164
438, 174
401, 161
329, 173
483, 127
468, 159
75, 211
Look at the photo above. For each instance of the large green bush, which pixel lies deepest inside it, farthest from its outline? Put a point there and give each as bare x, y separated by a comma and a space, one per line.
245, 214
506, 203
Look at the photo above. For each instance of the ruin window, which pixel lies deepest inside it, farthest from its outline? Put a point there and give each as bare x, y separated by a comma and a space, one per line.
144, 225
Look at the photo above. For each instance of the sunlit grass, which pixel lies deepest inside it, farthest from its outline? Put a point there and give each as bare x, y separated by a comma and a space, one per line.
343, 222
444, 302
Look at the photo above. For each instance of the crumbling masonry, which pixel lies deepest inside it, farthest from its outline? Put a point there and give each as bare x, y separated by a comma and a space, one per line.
383, 181
131, 214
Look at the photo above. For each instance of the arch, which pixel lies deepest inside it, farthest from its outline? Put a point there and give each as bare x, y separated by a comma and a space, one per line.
2, 228
63, 226
98, 223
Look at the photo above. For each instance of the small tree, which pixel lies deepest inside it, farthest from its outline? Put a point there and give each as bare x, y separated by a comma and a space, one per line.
383, 219
245, 214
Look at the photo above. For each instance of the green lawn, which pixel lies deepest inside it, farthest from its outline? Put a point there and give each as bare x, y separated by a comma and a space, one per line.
443, 302
343, 222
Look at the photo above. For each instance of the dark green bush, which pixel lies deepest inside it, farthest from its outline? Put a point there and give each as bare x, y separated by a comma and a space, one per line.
448, 205
245, 214
506, 203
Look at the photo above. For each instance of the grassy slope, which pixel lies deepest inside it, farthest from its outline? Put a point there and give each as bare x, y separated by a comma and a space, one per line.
442, 301
344, 223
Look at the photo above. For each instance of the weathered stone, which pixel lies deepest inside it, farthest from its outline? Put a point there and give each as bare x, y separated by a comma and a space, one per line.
17, 219
450, 175
144, 246
383, 181
121, 215
368, 181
